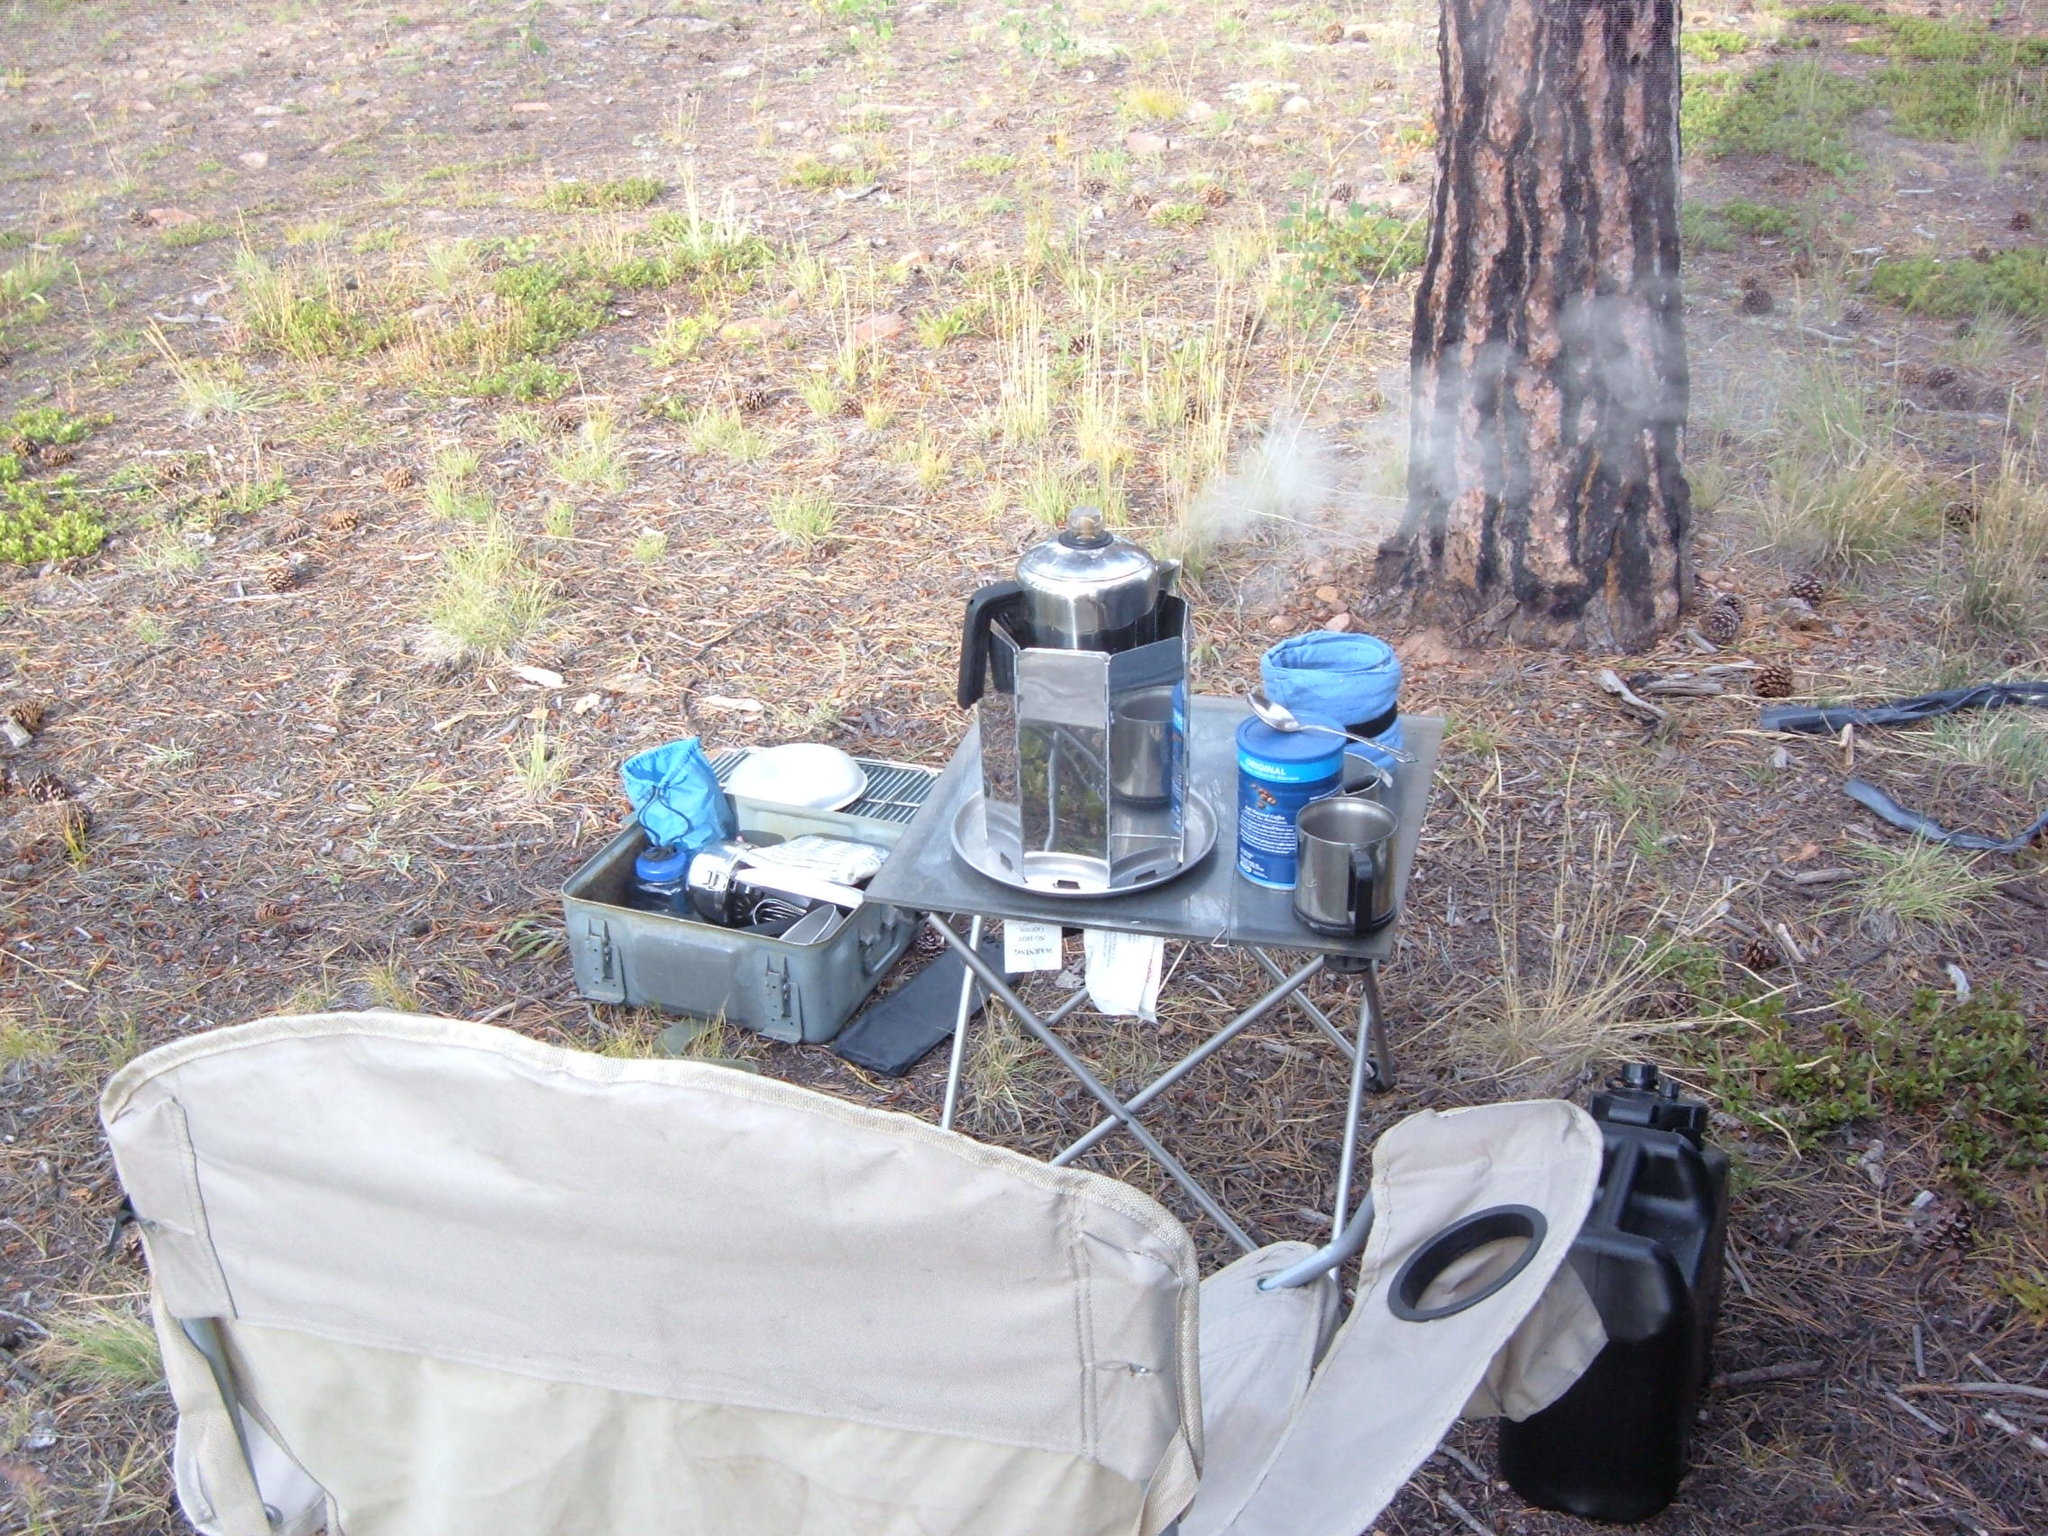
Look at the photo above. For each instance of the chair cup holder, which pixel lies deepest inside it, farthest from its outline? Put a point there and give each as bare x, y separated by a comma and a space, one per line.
1467, 1235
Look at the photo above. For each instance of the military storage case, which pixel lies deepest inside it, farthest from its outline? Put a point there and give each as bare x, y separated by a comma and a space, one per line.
785, 991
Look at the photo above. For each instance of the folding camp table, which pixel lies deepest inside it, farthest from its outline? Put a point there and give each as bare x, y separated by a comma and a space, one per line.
1210, 904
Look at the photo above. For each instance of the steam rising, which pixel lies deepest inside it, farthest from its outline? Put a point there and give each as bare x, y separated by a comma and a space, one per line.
1298, 489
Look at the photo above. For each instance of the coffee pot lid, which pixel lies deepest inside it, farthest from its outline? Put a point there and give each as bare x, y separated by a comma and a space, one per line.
1085, 556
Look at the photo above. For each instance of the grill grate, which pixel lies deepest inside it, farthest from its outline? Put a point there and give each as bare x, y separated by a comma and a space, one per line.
895, 790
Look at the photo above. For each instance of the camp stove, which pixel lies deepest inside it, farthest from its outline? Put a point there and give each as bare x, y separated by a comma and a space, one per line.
1077, 673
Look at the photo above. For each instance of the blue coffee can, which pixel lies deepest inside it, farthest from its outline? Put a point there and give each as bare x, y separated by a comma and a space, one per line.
1278, 772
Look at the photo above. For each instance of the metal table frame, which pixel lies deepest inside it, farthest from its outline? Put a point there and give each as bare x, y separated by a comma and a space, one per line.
1210, 903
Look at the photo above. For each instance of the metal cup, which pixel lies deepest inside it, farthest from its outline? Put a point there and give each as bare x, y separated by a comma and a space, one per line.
1368, 780
1344, 881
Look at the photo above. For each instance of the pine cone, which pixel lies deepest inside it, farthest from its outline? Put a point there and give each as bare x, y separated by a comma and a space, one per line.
28, 713
1773, 681
1756, 298
50, 455
291, 530
1723, 621
1760, 955
399, 477
342, 520
2020, 222
1215, 194
281, 577
1960, 515
1808, 588
47, 789
756, 398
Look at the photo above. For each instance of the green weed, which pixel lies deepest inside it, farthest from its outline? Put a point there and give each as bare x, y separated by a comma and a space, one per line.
1968, 1071
526, 379
1918, 883
1840, 15
804, 518
596, 458
815, 175
46, 520
1329, 253
309, 315
679, 337
489, 597
626, 192
1710, 45
198, 232
1797, 109
2015, 282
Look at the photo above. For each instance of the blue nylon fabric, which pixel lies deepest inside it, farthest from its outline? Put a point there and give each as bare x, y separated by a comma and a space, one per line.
676, 796
1351, 678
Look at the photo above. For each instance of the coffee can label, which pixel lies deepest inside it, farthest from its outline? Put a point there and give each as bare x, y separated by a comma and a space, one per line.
1266, 808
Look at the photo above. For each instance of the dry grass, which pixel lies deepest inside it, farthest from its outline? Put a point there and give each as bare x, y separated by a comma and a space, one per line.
101, 1342
1579, 960
2005, 555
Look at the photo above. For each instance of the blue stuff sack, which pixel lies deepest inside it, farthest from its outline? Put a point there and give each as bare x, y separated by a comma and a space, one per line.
676, 796
1355, 679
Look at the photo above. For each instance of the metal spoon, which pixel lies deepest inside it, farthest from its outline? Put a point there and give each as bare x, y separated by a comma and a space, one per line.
1281, 718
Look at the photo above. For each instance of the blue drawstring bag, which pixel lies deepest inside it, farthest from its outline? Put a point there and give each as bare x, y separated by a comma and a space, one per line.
1355, 679
676, 796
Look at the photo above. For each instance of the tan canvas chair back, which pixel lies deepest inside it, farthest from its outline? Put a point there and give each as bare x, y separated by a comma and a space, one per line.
430, 1278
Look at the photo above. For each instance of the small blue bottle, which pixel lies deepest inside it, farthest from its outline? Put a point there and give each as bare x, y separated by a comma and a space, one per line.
661, 882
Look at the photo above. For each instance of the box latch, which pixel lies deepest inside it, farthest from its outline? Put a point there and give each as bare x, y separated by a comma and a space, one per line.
603, 975
782, 1009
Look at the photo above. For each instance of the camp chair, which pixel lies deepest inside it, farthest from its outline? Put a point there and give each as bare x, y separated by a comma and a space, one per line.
417, 1277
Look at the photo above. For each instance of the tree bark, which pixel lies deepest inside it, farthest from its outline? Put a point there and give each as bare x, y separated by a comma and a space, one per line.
1545, 496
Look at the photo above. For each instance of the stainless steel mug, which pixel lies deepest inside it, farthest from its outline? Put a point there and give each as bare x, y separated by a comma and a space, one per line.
1344, 880
1368, 780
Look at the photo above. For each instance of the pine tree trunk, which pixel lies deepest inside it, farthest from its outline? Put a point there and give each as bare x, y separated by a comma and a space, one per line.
1545, 497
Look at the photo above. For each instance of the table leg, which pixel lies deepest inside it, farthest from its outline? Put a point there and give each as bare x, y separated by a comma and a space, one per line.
1180, 1069
1375, 1037
1370, 1069
1001, 990
1306, 1004
967, 985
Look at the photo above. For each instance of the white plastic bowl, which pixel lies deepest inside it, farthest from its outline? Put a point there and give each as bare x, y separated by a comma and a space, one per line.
803, 773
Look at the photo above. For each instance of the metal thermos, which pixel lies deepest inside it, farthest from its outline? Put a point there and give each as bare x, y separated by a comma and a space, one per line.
1077, 673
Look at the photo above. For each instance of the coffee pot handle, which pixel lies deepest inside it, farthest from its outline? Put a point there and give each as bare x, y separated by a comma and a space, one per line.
974, 643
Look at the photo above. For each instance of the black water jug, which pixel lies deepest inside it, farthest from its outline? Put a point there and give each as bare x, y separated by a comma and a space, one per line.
1613, 1447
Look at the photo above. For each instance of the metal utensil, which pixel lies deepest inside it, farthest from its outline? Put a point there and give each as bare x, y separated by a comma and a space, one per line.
1281, 718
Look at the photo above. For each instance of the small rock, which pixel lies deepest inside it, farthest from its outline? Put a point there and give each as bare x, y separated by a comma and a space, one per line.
1326, 594
1200, 112
1279, 624
1294, 106
882, 327
1794, 611
168, 218
1147, 143
1357, 32
1339, 622
254, 159
42, 1431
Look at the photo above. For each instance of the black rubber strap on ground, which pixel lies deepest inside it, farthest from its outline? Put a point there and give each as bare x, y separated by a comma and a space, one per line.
1830, 718
1875, 799
899, 1030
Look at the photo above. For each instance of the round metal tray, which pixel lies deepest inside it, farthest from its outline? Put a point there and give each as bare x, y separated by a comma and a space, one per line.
970, 842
